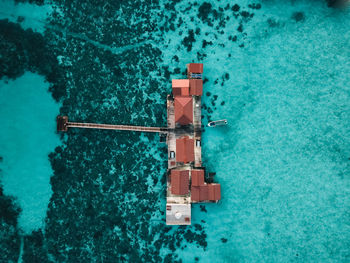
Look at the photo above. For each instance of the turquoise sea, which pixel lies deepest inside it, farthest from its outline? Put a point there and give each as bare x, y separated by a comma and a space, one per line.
278, 71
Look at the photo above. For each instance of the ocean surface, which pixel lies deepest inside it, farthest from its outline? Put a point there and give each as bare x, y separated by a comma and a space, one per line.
27, 137
278, 71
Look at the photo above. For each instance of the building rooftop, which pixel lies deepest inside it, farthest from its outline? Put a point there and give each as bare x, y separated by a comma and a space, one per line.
179, 181
183, 110
184, 149
214, 192
196, 87
178, 214
205, 192
195, 193
197, 177
181, 87
195, 68
187, 87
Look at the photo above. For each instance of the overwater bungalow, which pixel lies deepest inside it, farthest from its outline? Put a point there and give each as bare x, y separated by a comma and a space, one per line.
186, 175
186, 180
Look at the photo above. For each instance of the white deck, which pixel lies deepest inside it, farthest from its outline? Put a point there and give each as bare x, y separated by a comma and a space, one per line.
178, 214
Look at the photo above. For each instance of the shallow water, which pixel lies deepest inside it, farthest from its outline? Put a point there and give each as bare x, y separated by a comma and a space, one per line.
28, 15
283, 160
27, 137
278, 71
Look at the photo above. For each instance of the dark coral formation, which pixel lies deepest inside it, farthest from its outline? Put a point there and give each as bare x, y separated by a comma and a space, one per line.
337, 3
28, 51
188, 41
9, 233
35, 248
205, 11
298, 16
224, 240
37, 2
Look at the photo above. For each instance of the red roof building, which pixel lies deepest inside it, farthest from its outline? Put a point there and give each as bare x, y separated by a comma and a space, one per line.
179, 181
195, 68
185, 150
206, 192
181, 87
197, 177
186, 87
195, 193
183, 110
214, 192
196, 87
203, 193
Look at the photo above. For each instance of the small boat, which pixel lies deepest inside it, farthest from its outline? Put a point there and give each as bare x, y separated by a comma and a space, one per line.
217, 123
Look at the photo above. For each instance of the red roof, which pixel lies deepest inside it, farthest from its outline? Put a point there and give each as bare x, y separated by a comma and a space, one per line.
206, 192
195, 193
179, 83
196, 87
183, 110
203, 193
185, 150
195, 67
214, 192
179, 181
197, 177
181, 87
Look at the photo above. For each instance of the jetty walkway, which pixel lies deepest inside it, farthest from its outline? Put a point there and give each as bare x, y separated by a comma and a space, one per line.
63, 124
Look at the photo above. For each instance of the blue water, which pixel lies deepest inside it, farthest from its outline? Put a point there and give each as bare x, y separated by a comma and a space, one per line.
27, 137
283, 161
279, 74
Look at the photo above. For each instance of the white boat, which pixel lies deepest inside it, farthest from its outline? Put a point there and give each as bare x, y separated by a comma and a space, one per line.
217, 123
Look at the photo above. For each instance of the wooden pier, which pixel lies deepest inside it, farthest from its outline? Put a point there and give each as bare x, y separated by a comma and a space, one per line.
116, 127
63, 125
